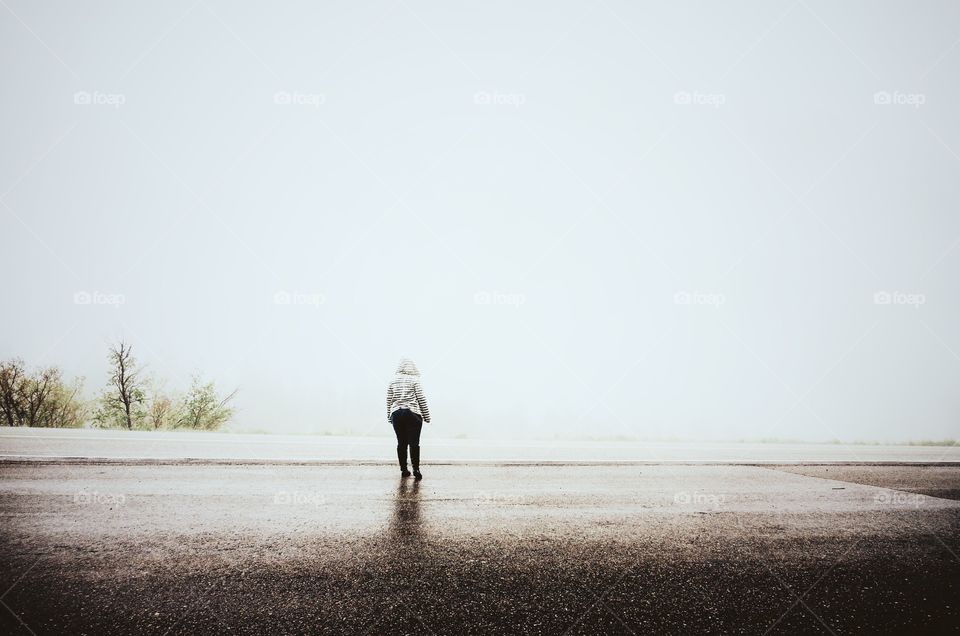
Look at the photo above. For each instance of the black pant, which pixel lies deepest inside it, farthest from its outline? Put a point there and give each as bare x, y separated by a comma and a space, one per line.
407, 425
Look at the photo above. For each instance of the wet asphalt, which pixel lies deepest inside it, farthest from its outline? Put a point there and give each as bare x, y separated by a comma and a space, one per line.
124, 548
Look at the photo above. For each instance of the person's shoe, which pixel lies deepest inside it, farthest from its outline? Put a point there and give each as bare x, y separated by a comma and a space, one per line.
404, 472
417, 475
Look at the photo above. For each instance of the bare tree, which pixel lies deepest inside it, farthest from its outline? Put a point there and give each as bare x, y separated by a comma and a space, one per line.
162, 406
69, 410
162, 411
122, 401
39, 398
12, 378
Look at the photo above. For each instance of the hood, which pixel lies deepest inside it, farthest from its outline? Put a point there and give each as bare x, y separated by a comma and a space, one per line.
407, 367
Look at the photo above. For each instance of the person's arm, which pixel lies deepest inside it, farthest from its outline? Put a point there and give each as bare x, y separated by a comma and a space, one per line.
422, 401
389, 399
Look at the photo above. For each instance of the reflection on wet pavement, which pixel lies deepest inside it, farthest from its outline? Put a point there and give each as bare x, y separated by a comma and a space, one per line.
406, 528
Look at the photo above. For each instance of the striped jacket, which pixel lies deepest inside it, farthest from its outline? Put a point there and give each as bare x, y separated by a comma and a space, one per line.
405, 391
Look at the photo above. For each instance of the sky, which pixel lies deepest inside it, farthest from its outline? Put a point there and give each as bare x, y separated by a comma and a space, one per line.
675, 220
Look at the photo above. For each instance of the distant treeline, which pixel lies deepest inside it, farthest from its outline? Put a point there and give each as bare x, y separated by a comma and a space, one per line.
41, 397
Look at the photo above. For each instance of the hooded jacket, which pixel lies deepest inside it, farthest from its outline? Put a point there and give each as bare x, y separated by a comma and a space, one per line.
405, 391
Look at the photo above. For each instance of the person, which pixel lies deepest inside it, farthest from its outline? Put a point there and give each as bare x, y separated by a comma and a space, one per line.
407, 411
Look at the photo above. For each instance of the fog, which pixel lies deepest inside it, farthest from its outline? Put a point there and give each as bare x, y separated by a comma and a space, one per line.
598, 219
